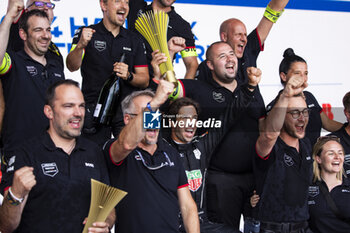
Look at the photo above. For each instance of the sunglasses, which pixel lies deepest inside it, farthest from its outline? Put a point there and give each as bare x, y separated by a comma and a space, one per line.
38, 4
156, 167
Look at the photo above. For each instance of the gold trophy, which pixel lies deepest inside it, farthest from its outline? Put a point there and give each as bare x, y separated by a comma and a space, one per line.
103, 199
154, 27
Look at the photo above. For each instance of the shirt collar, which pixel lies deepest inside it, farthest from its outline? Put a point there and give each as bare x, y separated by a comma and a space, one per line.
101, 28
50, 145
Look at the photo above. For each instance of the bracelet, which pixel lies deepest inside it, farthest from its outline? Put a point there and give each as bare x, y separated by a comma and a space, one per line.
272, 15
12, 199
148, 106
176, 92
130, 77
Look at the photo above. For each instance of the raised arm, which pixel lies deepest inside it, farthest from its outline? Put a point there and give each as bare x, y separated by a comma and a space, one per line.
14, 10
76, 54
240, 102
133, 132
275, 119
10, 213
265, 25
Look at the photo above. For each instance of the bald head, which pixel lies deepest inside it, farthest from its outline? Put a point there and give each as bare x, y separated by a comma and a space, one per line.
234, 32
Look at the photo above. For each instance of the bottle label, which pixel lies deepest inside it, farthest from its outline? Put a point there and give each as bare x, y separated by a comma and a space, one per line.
97, 110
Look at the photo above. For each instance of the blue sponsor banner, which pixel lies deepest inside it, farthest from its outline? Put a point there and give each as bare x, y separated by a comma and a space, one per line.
323, 5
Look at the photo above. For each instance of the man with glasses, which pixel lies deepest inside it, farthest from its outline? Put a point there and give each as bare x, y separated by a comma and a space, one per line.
344, 133
283, 164
150, 171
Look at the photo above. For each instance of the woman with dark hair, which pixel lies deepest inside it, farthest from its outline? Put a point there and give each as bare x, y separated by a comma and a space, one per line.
293, 64
329, 195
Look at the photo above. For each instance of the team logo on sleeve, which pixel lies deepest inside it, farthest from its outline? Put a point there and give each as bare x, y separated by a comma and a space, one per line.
194, 178
49, 169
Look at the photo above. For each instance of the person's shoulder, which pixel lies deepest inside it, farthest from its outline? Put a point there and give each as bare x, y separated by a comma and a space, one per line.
174, 15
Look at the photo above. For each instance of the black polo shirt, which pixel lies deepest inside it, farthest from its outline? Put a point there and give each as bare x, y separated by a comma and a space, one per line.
152, 202
250, 55
236, 151
322, 219
60, 200
282, 182
102, 52
177, 27
24, 86
345, 142
16, 44
314, 126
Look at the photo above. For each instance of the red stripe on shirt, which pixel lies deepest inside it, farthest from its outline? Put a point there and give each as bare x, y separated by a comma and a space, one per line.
182, 186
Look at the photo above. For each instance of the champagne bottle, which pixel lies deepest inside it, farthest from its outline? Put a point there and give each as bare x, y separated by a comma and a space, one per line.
106, 104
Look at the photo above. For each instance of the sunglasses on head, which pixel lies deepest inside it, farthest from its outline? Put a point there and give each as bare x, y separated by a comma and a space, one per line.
43, 4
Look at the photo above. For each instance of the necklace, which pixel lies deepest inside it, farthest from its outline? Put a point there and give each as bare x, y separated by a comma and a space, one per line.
71, 147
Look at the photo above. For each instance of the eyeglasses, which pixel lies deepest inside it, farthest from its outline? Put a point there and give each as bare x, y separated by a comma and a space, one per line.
296, 113
152, 167
43, 4
328, 138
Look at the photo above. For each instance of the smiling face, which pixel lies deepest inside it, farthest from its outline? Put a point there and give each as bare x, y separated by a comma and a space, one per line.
223, 63
186, 133
236, 36
68, 111
38, 36
331, 158
295, 128
115, 11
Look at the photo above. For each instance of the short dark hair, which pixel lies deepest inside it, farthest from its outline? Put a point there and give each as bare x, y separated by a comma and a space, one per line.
174, 107
346, 101
289, 58
209, 52
51, 91
23, 21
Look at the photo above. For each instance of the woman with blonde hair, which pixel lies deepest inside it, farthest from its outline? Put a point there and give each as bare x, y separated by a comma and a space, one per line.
329, 195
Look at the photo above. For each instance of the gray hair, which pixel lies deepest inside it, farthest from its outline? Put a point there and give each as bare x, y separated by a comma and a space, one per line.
128, 104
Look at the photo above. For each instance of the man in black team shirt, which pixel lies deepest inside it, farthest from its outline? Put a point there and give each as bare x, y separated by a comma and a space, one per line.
25, 75
178, 27
234, 163
97, 50
344, 133
195, 151
50, 190
246, 48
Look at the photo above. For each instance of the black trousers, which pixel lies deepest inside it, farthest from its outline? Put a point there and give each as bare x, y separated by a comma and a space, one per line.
228, 197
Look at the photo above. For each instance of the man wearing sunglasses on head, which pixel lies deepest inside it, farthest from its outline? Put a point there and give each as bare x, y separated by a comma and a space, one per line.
150, 171
16, 42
